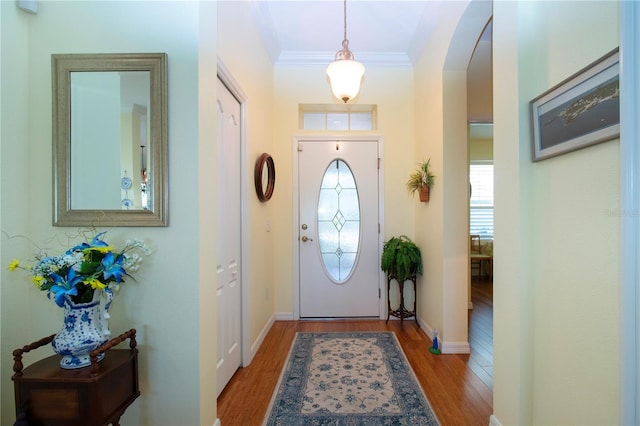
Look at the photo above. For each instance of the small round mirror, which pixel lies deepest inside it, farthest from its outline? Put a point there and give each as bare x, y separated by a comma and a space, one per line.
264, 177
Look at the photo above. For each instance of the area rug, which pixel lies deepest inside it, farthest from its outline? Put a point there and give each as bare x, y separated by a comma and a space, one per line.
360, 378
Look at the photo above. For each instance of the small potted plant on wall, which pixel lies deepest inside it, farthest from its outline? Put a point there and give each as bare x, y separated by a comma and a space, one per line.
421, 180
401, 259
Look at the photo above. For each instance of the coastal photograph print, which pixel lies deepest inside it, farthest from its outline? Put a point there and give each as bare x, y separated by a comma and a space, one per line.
581, 111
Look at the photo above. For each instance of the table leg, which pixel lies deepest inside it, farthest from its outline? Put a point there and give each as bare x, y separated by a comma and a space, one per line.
388, 299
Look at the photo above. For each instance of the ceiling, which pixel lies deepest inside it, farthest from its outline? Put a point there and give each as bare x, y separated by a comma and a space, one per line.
380, 33
376, 29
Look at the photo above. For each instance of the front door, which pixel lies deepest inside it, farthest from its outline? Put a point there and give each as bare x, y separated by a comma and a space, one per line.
338, 228
229, 249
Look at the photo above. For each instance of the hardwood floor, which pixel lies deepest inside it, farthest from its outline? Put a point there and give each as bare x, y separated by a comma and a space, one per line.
481, 330
459, 387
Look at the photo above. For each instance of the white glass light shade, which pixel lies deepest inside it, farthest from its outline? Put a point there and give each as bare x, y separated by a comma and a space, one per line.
345, 76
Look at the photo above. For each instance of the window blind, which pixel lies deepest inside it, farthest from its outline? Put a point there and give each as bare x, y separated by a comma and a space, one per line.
481, 201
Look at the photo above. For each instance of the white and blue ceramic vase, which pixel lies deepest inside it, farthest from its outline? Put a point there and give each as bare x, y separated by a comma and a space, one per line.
86, 327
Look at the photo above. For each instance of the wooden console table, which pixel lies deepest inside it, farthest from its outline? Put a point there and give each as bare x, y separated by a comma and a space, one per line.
96, 395
402, 312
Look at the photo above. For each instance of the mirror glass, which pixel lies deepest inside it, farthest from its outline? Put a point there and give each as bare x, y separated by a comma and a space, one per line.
110, 140
265, 177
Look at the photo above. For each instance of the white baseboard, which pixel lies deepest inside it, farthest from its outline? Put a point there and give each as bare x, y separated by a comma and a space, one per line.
284, 316
493, 421
426, 328
263, 333
445, 347
455, 348
217, 423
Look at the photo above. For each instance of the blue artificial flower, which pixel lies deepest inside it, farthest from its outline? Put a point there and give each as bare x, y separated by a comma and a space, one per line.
113, 267
95, 242
83, 269
64, 286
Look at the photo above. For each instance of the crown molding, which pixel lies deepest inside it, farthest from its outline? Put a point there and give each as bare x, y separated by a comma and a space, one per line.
374, 59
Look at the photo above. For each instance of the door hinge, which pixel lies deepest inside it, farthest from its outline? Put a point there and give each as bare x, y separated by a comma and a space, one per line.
379, 293
378, 229
379, 159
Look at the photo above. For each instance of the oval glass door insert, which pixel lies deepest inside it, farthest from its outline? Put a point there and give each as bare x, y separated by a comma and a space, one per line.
338, 221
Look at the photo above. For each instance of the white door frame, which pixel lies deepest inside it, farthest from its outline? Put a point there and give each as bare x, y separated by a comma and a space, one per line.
225, 76
382, 285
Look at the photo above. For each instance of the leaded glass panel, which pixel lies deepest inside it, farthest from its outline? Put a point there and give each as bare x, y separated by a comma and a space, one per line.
338, 221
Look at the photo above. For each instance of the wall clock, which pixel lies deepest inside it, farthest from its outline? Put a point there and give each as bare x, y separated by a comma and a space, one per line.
264, 177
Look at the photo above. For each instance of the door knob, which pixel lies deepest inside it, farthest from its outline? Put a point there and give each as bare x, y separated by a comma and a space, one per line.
305, 239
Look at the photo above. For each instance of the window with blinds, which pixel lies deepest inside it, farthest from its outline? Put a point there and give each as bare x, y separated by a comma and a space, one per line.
481, 201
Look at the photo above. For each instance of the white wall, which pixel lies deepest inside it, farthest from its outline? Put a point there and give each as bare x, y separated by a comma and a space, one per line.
207, 210
167, 304
556, 303
14, 133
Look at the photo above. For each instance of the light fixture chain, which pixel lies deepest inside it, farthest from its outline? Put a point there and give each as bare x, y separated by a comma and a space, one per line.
345, 19
345, 74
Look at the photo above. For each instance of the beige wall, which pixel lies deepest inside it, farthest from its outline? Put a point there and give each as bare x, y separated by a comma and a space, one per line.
391, 89
429, 135
441, 130
556, 305
480, 149
246, 59
174, 335
555, 279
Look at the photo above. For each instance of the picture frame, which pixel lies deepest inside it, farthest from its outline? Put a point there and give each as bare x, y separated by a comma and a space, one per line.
581, 111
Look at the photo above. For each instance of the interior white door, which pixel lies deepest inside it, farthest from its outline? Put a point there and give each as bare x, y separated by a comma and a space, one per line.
338, 235
229, 237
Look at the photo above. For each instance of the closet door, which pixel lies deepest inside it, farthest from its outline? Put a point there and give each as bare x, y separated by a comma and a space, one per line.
229, 236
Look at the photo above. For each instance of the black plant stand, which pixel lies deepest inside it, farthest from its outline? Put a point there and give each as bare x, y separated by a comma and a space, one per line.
402, 312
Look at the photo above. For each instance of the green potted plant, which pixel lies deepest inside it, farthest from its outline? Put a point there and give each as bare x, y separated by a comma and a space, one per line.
401, 258
421, 180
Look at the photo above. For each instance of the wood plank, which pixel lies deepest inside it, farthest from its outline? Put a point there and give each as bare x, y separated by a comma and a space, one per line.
459, 387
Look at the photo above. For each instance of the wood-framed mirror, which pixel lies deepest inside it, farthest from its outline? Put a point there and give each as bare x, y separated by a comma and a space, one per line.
264, 177
110, 139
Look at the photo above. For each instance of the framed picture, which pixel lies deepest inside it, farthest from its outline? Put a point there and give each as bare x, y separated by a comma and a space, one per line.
581, 111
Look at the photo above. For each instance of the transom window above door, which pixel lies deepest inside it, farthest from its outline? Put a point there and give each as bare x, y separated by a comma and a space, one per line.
337, 117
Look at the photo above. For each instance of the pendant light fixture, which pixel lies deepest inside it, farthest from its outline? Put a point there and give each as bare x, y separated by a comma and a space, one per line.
345, 73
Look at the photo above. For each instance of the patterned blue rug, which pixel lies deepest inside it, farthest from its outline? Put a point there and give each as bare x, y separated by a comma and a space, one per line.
360, 378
